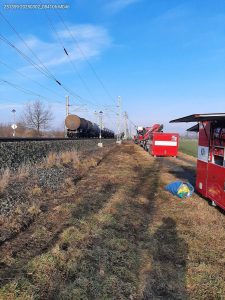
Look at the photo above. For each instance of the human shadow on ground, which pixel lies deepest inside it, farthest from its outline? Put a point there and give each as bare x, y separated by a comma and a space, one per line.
112, 260
169, 258
184, 173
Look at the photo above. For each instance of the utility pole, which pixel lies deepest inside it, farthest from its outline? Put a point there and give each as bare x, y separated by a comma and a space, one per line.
126, 132
67, 105
119, 120
67, 113
14, 126
100, 127
96, 117
130, 131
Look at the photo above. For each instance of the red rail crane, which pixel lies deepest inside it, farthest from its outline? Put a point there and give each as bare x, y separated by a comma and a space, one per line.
143, 134
156, 142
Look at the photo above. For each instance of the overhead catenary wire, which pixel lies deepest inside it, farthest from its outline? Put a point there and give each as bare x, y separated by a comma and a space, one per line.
109, 117
43, 69
30, 61
24, 90
71, 61
31, 79
68, 90
85, 57
132, 122
37, 67
67, 53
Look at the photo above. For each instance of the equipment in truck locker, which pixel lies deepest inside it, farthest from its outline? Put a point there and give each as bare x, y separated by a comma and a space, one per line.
210, 180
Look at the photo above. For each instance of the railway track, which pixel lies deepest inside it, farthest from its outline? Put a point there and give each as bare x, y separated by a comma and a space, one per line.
17, 139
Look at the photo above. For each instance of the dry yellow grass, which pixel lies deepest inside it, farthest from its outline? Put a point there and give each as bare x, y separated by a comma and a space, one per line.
62, 158
33, 209
84, 165
52, 159
127, 238
67, 157
36, 191
22, 172
69, 186
4, 179
6, 176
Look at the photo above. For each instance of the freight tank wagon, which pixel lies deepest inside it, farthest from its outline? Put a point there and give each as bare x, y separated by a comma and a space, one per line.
77, 128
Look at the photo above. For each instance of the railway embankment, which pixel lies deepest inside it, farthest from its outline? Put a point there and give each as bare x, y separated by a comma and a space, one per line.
44, 173
17, 153
111, 231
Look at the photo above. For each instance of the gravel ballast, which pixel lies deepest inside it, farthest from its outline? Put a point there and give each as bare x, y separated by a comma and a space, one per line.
15, 154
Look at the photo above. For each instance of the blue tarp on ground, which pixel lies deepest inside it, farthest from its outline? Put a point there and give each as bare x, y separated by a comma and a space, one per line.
180, 189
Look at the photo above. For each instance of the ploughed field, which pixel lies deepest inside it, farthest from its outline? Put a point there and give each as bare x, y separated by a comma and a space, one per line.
111, 231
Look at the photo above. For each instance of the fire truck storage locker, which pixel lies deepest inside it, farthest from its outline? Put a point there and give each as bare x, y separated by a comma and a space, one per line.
210, 179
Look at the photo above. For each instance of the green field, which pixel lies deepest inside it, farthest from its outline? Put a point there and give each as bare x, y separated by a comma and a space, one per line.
189, 146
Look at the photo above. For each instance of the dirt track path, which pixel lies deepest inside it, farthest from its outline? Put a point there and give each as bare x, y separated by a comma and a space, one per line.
116, 235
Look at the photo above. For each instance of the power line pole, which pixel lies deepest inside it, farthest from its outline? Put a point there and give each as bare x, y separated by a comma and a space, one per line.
67, 113
67, 105
14, 126
96, 117
119, 120
126, 131
130, 131
100, 127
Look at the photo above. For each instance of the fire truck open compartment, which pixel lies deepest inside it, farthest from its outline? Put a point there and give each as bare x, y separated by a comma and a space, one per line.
210, 180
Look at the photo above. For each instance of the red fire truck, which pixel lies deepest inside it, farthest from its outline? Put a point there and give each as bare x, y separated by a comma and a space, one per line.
210, 181
163, 144
156, 142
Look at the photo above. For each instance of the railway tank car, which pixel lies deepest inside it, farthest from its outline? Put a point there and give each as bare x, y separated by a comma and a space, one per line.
77, 127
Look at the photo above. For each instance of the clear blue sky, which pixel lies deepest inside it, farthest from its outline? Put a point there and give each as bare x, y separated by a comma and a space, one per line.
166, 59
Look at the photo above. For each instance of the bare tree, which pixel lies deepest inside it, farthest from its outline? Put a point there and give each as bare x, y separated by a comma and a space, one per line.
37, 116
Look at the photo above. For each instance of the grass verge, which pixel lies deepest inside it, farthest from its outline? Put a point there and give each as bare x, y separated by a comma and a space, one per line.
189, 146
